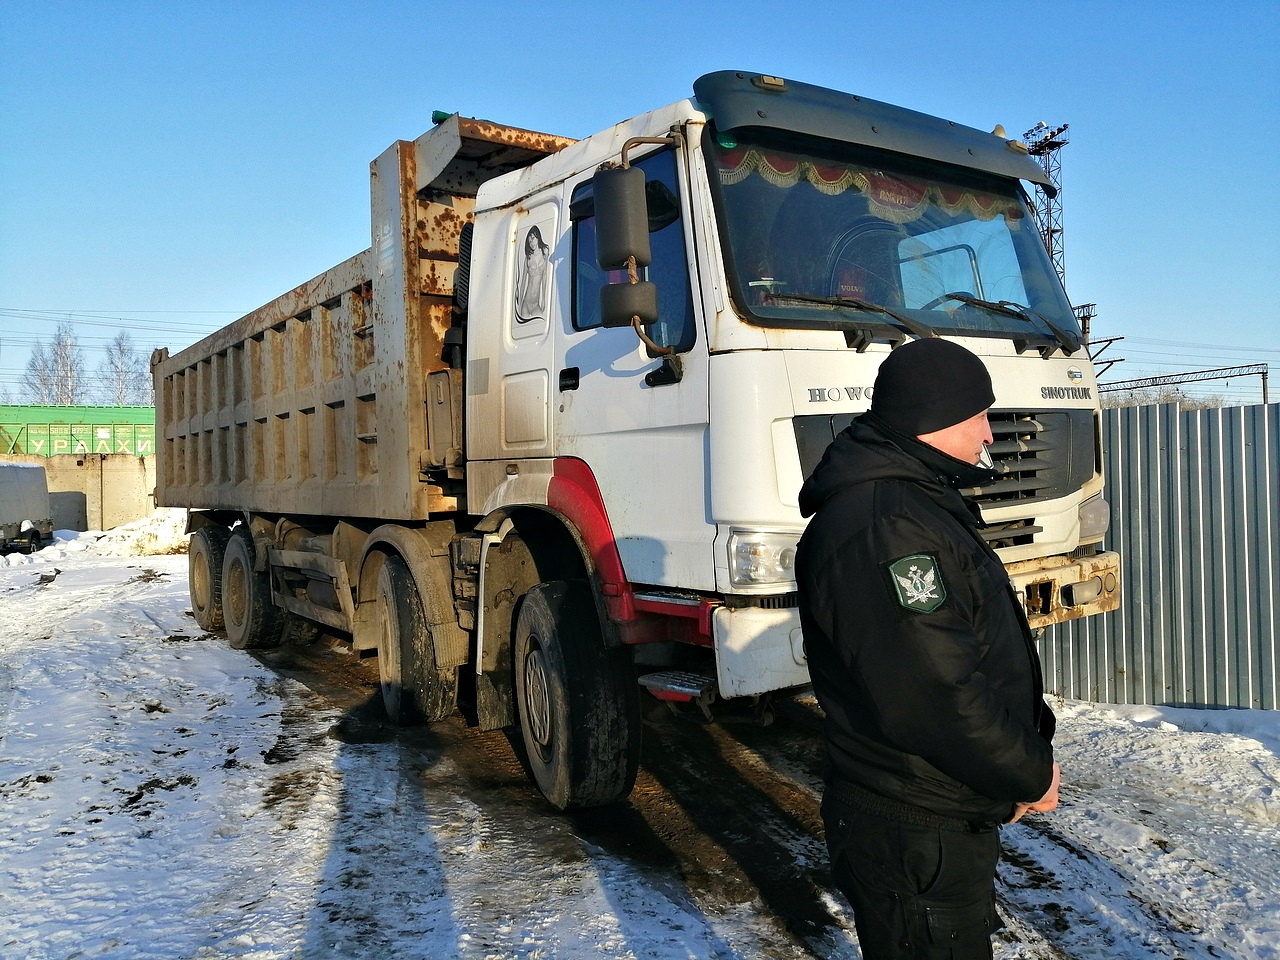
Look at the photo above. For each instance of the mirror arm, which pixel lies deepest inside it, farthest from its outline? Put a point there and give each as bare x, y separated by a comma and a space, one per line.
674, 140
633, 276
648, 342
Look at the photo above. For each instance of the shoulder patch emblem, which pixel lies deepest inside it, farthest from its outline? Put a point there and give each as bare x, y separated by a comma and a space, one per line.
917, 582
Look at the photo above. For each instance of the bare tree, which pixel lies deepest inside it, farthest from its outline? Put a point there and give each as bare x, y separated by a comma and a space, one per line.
55, 377
37, 382
6, 396
124, 374
55, 374
68, 365
1146, 396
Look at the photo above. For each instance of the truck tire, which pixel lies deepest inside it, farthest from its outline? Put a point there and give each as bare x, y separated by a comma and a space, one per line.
250, 618
413, 688
578, 700
205, 555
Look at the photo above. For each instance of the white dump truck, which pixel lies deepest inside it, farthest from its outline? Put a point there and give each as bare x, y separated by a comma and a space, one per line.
26, 518
539, 447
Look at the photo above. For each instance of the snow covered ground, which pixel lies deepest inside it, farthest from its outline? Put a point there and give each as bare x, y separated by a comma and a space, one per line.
162, 795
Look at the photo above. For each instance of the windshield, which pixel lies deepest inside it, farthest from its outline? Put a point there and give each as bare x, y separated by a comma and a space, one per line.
852, 237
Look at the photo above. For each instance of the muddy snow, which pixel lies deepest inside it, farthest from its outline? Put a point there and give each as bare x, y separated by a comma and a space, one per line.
165, 796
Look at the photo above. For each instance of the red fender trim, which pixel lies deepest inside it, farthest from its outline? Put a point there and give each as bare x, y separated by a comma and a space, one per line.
573, 493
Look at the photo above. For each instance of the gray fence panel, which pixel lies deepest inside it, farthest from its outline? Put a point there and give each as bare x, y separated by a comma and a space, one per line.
1195, 515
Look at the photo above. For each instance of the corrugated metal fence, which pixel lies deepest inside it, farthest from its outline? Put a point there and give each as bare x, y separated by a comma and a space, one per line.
1195, 515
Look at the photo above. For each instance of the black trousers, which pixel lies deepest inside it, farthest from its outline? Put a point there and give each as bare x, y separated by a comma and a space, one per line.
917, 891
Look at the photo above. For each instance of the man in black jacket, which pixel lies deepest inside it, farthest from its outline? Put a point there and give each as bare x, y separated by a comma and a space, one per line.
936, 729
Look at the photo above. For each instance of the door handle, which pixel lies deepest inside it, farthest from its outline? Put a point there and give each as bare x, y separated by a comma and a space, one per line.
569, 379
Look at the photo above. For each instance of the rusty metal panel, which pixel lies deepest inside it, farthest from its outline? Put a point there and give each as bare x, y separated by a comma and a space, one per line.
316, 402
239, 414
1195, 507
458, 155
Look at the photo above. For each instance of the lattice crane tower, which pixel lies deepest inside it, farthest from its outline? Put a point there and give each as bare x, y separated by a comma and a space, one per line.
1044, 143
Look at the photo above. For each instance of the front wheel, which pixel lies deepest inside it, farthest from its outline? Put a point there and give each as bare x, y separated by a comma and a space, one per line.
579, 702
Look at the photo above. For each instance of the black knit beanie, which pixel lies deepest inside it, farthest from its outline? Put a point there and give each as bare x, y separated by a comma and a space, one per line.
926, 385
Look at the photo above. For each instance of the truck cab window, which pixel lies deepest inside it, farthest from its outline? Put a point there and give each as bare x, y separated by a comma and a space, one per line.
669, 269
812, 229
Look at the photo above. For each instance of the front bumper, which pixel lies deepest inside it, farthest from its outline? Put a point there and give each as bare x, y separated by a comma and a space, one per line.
759, 650
1058, 589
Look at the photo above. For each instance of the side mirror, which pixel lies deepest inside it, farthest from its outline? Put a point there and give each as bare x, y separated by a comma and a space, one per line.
622, 218
619, 302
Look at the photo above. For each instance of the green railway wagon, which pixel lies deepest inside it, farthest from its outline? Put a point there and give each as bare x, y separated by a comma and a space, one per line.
54, 431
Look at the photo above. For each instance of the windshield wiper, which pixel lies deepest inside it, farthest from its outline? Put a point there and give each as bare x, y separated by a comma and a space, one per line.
1070, 343
904, 322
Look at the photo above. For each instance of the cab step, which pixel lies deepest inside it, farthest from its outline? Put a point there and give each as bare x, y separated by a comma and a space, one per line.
680, 686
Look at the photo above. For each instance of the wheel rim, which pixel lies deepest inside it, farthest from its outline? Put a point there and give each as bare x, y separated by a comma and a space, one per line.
234, 594
389, 657
200, 581
537, 700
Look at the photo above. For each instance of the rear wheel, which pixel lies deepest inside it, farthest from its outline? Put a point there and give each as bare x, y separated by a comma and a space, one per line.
413, 687
579, 702
204, 575
250, 618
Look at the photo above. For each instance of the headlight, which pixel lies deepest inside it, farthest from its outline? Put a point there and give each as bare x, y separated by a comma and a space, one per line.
1095, 519
759, 558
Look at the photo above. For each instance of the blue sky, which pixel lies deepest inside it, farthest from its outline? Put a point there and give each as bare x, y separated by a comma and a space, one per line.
167, 167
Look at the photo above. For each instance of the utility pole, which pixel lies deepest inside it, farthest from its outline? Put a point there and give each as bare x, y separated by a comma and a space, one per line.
1095, 352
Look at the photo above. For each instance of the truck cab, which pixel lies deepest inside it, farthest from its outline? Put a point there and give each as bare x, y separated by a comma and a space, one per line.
795, 236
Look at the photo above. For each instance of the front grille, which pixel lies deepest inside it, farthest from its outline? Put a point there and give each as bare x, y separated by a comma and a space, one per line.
1040, 456
775, 601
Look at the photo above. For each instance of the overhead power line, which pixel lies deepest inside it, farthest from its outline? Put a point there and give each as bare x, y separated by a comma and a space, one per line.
1194, 345
1220, 373
111, 321
56, 312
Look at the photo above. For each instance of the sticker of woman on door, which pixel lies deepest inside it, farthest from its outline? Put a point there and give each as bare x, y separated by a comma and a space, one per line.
532, 276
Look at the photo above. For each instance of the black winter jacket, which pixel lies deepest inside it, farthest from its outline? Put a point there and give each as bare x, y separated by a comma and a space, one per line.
918, 648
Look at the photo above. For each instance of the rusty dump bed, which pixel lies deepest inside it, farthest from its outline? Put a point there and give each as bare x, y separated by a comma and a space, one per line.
314, 403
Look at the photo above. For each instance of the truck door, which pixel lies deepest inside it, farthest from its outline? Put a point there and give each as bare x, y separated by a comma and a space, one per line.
639, 421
